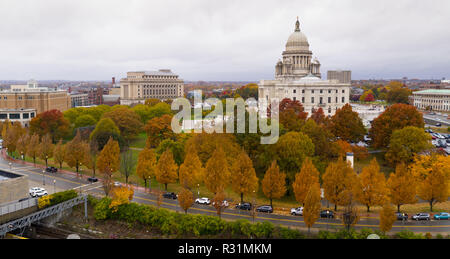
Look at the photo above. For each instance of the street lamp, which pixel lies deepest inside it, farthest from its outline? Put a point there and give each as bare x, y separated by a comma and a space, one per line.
54, 186
10, 166
198, 191
43, 177
46, 159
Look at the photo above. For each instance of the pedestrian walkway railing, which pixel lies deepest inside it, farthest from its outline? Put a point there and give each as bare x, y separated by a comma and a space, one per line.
36, 216
18, 205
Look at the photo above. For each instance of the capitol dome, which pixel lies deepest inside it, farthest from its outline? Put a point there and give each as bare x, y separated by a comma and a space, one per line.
297, 41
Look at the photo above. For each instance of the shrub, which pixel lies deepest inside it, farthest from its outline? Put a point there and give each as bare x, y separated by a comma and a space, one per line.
102, 210
43, 201
406, 234
59, 197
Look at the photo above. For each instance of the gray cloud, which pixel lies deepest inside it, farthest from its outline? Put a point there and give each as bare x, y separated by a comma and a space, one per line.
220, 40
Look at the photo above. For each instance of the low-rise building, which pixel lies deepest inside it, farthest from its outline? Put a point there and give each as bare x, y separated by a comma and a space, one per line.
432, 99
142, 85
23, 116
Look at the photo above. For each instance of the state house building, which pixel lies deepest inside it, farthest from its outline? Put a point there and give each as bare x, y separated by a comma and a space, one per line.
140, 86
298, 77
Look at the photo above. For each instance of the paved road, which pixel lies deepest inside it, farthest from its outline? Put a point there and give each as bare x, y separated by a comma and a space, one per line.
65, 181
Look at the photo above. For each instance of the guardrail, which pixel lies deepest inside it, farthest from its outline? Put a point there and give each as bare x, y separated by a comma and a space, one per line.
33, 217
16, 206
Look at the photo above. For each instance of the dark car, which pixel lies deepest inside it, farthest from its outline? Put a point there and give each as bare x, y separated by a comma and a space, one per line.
51, 169
244, 206
421, 216
265, 209
401, 216
92, 180
170, 195
326, 214
438, 125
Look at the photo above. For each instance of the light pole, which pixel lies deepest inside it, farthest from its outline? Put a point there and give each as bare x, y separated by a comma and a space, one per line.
198, 191
254, 206
43, 177
46, 159
54, 186
10, 166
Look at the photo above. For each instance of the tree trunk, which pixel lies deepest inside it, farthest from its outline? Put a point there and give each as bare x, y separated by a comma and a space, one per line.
270, 203
242, 197
335, 207
34, 160
145, 183
368, 208
431, 205
60, 165
165, 186
398, 208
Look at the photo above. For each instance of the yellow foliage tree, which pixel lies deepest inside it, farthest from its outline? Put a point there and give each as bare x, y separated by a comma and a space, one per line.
433, 174
120, 195
307, 177
243, 176
387, 217
217, 177
312, 205
108, 162
191, 171
218, 202
166, 169
59, 153
274, 182
77, 152
338, 182
186, 199
33, 147
146, 165
370, 188
46, 148
402, 186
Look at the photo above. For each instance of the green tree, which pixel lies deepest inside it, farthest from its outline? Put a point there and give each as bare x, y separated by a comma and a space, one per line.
84, 121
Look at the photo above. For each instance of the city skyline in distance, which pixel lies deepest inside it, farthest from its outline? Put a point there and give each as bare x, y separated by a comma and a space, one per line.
220, 41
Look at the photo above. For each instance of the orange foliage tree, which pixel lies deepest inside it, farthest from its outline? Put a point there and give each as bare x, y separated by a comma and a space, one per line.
186, 199
108, 162
387, 217
146, 165
338, 182
217, 177
274, 182
312, 205
243, 178
191, 171
402, 186
307, 177
166, 169
120, 195
159, 129
370, 189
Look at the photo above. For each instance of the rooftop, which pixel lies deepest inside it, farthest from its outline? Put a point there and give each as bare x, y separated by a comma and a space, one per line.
434, 91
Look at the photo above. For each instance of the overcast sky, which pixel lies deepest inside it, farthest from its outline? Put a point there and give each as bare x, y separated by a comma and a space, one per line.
220, 40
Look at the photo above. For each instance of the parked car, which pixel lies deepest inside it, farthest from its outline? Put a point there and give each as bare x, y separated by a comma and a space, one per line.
401, 216
117, 184
244, 206
441, 143
442, 215
51, 169
170, 195
326, 214
204, 201
421, 216
438, 125
265, 209
297, 211
92, 180
428, 131
35, 190
224, 204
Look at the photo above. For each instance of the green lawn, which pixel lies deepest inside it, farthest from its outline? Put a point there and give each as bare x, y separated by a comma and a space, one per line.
384, 166
139, 141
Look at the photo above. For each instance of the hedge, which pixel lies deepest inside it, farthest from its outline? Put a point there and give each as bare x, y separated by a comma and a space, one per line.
56, 198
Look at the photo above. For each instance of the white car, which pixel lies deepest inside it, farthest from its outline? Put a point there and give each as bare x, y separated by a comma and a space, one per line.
37, 192
203, 201
297, 211
224, 204
117, 184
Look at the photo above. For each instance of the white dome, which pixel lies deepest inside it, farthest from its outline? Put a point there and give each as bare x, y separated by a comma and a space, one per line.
297, 41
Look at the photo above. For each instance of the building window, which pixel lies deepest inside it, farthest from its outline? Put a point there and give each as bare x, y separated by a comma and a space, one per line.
321, 91
321, 100
329, 99
343, 99
303, 91
303, 99
14, 116
3, 116
32, 115
343, 91
295, 99
312, 99
26, 115
312, 91
295, 91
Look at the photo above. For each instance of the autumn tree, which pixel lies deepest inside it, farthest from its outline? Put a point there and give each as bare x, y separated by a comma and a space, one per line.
108, 162
318, 116
22, 145
33, 147
397, 116
46, 148
350, 216
186, 199
177, 148
127, 121
402, 186
243, 177
321, 138
84, 121
433, 174
304, 180
338, 182
159, 129
13, 134
347, 125
218, 202
274, 183
50, 122
398, 95
407, 142
166, 169
93, 155
217, 176
120, 195
387, 217
146, 165
191, 171
77, 152
290, 152
291, 114
59, 153
105, 129
370, 188
127, 164
312, 205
